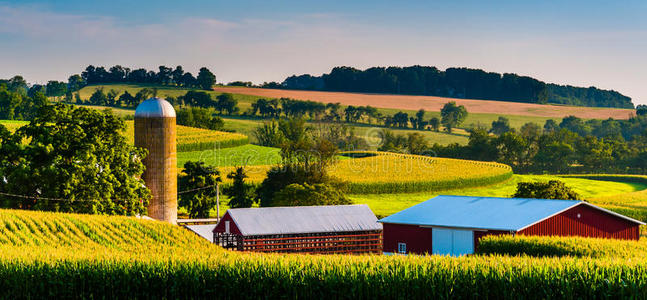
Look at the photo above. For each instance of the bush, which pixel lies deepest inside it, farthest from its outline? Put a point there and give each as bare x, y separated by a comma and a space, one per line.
308, 195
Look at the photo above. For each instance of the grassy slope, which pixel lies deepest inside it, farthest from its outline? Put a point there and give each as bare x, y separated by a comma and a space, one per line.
235, 156
387, 204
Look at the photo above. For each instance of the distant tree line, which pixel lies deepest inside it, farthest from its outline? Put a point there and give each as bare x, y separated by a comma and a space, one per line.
164, 76
453, 82
570, 146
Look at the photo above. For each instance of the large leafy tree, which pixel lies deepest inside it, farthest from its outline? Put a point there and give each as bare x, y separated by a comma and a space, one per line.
240, 193
304, 159
227, 103
73, 159
206, 79
201, 181
452, 115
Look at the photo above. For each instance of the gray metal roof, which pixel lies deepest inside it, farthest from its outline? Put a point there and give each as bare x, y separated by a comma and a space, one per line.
304, 219
155, 108
510, 214
205, 231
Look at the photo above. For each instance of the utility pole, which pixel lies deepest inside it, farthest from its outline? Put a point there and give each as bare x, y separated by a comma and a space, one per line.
218, 200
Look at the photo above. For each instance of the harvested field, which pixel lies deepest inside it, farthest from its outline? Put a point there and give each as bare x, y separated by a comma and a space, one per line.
432, 103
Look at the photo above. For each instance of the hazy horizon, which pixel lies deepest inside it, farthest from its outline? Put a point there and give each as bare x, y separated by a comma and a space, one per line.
577, 43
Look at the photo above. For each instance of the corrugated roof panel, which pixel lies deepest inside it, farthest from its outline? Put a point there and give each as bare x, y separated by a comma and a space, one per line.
304, 219
205, 231
480, 212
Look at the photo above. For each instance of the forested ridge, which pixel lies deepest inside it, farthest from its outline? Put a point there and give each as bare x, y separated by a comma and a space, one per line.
456, 83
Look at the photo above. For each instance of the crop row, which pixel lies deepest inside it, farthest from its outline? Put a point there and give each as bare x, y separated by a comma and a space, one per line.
561, 246
379, 172
64, 273
198, 139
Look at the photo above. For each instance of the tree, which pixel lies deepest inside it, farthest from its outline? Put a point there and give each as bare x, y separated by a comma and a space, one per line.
98, 97
500, 126
75, 83
417, 144
78, 157
177, 74
553, 189
227, 103
77, 98
269, 134
206, 79
127, 99
419, 120
240, 193
305, 157
452, 115
435, 124
201, 180
641, 110
111, 97
55, 88
530, 131
550, 126
198, 98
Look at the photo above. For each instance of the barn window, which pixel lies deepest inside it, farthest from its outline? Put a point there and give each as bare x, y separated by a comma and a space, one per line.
402, 248
227, 227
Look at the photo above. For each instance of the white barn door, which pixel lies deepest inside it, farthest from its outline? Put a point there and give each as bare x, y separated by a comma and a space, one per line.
454, 242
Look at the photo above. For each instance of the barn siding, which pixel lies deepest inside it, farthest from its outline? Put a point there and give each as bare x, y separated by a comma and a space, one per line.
232, 225
592, 223
418, 239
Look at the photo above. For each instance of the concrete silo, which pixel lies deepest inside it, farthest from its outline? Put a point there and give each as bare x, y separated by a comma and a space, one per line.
155, 131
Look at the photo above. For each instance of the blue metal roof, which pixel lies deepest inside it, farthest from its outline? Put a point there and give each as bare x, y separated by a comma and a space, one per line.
510, 214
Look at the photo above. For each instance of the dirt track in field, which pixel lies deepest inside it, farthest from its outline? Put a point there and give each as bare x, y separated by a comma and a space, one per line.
431, 103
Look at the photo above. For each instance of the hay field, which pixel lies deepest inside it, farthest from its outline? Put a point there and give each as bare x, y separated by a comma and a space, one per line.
432, 103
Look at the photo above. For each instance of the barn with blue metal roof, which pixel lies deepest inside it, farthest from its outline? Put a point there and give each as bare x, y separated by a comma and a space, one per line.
452, 225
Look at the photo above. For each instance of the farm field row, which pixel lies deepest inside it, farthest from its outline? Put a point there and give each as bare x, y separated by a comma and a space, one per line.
382, 172
88, 256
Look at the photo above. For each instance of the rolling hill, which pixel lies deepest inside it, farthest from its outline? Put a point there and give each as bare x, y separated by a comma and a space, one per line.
432, 103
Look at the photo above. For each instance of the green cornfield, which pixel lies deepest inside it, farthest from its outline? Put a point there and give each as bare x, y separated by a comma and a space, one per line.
553, 246
53, 255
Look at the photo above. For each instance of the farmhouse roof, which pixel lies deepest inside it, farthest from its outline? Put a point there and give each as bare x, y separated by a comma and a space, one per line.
508, 214
205, 231
304, 219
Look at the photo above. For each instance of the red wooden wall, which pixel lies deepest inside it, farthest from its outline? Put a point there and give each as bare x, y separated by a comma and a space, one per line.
590, 223
418, 239
232, 225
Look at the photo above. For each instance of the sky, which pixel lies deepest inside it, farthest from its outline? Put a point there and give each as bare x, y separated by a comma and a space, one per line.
581, 43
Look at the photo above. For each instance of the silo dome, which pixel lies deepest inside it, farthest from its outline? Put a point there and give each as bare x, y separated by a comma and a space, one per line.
155, 108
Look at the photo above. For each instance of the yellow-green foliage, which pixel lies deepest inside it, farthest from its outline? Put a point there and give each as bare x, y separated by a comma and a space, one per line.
562, 246
382, 172
52, 255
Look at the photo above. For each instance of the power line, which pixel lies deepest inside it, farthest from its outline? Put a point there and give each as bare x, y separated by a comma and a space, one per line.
83, 200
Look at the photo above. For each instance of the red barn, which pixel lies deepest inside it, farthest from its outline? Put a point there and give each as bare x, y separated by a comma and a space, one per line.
300, 229
453, 225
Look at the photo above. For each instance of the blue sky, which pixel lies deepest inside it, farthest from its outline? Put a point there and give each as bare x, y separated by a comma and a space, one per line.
582, 43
